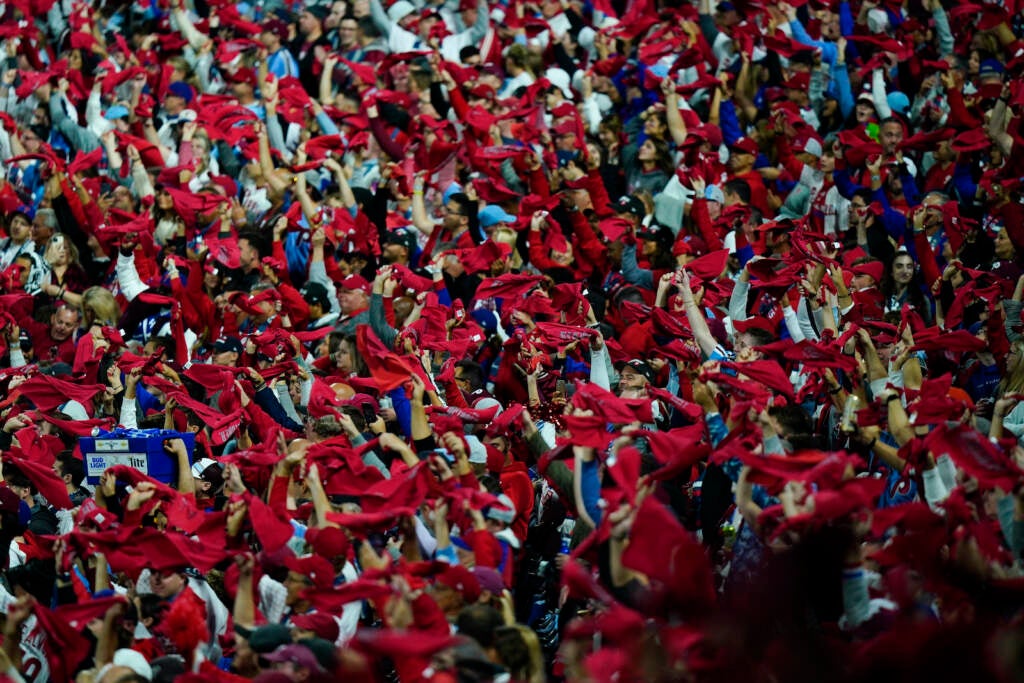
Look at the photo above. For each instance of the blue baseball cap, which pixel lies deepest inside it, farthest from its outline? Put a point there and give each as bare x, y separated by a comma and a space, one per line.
115, 112
492, 214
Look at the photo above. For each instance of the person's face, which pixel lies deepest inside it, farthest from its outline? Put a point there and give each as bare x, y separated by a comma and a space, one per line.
351, 300
858, 210
944, 152
891, 136
225, 358
902, 269
166, 584
123, 199
830, 26
347, 33
343, 359
246, 254
743, 346
63, 324
31, 141
974, 63
245, 659
647, 151
25, 270
740, 161
20, 229
864, 111
323, 348
211, 280
827, 162
426, 24
294, 583
552, 97
654, 127
308, 23
631, 382
333, 19
565, 142
862, 281
393, 253
174, 104
1004, 248
1013, 357
648, 247
446, 598
453, 215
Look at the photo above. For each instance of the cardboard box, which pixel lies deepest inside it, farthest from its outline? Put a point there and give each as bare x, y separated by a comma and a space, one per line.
142, 449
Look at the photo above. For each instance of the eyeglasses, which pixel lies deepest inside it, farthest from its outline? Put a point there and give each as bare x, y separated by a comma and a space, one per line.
452, 212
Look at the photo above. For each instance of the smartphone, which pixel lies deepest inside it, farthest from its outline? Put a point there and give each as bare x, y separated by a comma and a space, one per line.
369, 414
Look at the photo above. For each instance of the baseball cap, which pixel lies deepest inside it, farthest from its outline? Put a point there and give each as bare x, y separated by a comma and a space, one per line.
323, 625
505, 511
130, 659
318, 570
243, 75
355, 282
990, 68
690, 244
810, 146
299, 655
400, 10
654, 232
115, 112
225, 344
628, 204
402, 237
316, 293
477, 450
744, 146
200, 466
874, 269
640, 367
92, 513
713, 193
277, 26
798, 81
460, 580
268, 637
492, 214
181, 89
483, 91
328, 542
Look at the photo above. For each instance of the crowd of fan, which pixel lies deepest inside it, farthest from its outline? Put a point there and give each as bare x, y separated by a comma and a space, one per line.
512, 340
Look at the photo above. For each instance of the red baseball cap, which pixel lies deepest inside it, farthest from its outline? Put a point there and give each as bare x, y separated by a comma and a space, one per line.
315, 568
460, 580
355, 282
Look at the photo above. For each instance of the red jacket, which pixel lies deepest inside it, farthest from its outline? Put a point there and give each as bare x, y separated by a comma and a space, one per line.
516, 484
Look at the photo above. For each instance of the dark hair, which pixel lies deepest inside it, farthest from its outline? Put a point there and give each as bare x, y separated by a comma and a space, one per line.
479, 622
793, 419
152, 606
36, 577
759, 337
462, 199
738, 187
258, 241
367, 27
472, 372
69, 464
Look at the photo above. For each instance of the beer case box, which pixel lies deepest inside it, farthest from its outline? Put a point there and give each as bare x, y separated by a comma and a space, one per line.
142, 449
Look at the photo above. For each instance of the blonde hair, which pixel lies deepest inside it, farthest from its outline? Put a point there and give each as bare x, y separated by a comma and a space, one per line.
1013, 382
519, 650
100, 307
